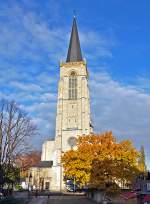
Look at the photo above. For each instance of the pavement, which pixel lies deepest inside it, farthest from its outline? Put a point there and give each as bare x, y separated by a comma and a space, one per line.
69, 200
17, 194
39, 200
59, 198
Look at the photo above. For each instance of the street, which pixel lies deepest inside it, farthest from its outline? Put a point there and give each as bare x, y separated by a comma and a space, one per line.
69, 199
76, 199
64, 199
58, 198
39, 200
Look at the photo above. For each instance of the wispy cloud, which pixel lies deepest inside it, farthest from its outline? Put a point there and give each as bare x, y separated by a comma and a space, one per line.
31, 45
144, 82
96, 45
25, 87
124, 109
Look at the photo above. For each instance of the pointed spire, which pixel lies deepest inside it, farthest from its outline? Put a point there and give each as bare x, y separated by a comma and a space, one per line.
74, 51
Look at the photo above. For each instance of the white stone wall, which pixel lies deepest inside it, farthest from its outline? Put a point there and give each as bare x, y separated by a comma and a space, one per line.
48, 149
72, 119
48, 174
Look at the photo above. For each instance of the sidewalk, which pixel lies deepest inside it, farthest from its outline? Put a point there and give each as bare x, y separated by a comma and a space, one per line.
130, 201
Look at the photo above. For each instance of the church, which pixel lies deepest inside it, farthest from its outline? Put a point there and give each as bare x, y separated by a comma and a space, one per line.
73, 118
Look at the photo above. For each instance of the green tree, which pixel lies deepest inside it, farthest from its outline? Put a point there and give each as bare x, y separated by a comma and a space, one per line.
11, 174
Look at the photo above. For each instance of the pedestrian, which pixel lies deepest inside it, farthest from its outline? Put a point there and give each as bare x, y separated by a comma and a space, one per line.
36, 193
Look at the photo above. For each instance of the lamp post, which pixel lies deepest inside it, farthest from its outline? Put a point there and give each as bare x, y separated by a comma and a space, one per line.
1, 176
74, 184
30, 179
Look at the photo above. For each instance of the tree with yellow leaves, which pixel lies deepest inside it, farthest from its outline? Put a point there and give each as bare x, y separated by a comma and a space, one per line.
100, 160
141, 161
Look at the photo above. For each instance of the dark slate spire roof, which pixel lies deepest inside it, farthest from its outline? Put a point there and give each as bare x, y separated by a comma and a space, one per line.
44, 164
74, 51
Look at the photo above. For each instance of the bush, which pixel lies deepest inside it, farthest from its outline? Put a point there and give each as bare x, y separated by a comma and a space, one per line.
18, 187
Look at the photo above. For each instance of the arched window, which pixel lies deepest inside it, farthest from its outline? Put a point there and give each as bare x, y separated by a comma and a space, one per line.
73, 86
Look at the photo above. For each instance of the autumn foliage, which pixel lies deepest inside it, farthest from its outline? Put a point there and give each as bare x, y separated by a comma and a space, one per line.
100, 161
27, 160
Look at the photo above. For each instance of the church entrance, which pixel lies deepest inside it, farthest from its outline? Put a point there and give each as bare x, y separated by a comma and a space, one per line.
47, 185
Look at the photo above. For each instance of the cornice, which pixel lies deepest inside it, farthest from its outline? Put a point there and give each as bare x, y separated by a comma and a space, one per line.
75, 64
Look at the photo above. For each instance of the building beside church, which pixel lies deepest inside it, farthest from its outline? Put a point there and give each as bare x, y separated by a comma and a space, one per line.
72, 118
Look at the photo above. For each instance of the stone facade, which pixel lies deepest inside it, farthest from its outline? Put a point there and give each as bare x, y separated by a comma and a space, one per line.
73, 115
42, 178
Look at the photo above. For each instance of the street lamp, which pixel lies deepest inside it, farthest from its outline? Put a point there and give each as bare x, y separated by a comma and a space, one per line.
74, 184
1, 176
30, 179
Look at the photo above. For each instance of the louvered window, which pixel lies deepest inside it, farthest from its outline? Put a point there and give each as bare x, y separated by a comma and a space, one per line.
73, 86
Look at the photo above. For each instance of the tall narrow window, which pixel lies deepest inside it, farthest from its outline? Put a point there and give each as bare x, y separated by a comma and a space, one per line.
73, 86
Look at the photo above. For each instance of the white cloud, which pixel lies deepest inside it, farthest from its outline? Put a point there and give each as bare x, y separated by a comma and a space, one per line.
36, 107
26, 87
96, 45
144, 82
48, 97
26, 34
121, 108
46, 78
26, 38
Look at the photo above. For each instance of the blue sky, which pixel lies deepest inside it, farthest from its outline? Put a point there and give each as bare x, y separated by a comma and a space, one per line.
114, 35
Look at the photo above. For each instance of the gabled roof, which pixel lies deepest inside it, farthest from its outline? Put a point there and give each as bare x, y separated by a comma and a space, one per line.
74, 51
44, 164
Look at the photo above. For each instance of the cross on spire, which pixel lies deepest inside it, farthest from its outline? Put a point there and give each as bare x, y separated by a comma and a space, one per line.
74, 13
74, 51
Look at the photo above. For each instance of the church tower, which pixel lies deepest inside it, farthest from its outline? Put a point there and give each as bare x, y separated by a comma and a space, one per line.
72, 119
73, 105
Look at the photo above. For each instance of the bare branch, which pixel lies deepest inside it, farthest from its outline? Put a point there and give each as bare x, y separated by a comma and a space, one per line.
15, 130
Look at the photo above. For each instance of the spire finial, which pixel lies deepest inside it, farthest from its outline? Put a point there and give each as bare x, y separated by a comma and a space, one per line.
74, 13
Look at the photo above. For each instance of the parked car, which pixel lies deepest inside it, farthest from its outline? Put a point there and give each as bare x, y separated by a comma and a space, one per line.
107, 200
72, 188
